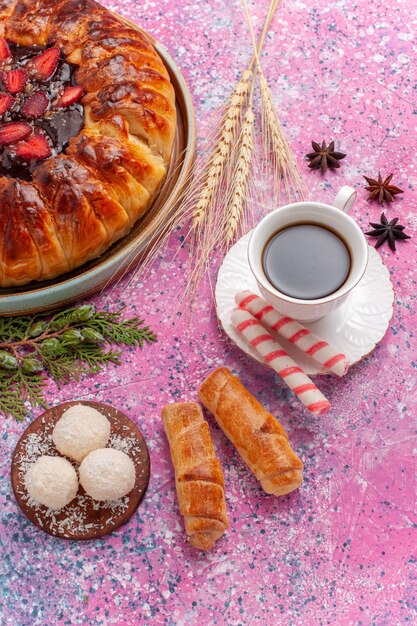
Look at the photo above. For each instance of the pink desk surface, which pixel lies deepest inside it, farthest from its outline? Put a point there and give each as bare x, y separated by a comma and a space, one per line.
341, 549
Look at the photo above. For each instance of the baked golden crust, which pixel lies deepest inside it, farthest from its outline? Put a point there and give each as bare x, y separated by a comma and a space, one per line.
28, 234
80, 202
198, 474
258, 437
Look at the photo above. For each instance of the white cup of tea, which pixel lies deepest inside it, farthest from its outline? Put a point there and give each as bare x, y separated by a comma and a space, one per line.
308, 256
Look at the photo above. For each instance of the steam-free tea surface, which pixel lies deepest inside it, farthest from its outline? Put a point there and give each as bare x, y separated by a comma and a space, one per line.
306, 261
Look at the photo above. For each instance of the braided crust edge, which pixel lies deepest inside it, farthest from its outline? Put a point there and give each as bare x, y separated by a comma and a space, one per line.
79, 203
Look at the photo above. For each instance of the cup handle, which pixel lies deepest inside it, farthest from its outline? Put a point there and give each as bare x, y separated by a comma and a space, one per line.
345, 198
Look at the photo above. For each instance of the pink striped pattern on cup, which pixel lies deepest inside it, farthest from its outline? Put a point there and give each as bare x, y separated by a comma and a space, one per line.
273, 354
312, 345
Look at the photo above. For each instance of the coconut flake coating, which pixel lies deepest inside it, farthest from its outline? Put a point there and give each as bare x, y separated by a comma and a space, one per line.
107, 474
79, 431
52, 481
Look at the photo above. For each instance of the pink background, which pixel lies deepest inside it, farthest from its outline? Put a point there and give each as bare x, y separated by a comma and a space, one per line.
341, 549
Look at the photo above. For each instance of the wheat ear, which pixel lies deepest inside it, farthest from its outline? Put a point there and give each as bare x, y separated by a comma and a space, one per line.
223, 147
285, 167
228, 131
241, 174
273, 137
237, 198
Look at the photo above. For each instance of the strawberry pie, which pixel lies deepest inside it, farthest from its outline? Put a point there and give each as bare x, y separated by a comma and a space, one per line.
87, 123
40, 106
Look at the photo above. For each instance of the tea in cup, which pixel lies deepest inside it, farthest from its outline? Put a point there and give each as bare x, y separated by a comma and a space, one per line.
308, 256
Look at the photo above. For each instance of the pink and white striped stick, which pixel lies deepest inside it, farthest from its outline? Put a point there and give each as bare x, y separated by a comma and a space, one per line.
304, 339
278, 359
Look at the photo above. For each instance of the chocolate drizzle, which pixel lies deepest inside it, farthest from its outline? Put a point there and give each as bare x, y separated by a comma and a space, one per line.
58, 125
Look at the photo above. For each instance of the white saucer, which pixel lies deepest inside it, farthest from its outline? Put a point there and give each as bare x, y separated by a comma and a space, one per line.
354, 329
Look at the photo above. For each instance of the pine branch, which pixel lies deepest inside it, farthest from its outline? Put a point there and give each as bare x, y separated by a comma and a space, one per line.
14, 327
129, 332
67, 345
16, 390
96, 359
66, 368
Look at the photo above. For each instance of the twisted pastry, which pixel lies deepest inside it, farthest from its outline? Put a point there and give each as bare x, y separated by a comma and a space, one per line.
198, 474
258, 437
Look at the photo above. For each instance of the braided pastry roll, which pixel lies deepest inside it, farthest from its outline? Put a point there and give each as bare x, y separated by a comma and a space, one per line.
258, 437
83, 159
198, 474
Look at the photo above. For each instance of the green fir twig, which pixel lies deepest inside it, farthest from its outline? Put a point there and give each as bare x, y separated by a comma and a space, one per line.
67, 345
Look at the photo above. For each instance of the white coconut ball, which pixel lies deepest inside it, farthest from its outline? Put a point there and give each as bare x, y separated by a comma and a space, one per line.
107, 474
52, 481
80, 430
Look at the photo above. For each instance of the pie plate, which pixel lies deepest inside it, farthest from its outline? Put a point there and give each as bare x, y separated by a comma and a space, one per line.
117, 260
354, 329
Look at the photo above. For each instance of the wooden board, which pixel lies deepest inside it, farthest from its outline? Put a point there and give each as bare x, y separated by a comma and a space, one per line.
97, 518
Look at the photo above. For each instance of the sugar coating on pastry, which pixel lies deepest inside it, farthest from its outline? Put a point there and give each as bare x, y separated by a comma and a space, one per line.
107, 474
52, 481
80, 430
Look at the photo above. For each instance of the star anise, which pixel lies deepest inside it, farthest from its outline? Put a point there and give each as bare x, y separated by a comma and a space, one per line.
381, 189
324, 156
387, 231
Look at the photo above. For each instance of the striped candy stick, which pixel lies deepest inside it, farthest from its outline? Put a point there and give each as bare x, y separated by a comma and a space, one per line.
304, 339
278, 359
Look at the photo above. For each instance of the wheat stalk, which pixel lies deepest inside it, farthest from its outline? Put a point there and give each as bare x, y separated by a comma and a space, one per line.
220, 166
273, 137
239, 189
223, 147
284, 164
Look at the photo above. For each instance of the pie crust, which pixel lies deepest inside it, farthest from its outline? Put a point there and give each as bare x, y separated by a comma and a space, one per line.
79, 202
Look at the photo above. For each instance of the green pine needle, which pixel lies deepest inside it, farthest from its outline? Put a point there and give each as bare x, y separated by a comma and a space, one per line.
18, 389
67, 345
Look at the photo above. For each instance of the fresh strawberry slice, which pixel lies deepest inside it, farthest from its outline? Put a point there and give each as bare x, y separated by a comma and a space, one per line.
13, 80
45, 63
4, 49
13, 132
6, 102
70, 95
35, 106
36, 147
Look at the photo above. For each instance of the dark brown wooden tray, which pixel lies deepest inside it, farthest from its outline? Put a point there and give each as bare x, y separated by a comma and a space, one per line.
83, 518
